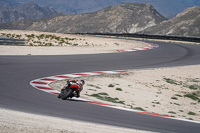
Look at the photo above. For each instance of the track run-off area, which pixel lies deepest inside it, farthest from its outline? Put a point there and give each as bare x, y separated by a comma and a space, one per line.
17, 71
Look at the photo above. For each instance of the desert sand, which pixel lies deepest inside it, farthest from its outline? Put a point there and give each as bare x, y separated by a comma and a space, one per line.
19, 122
75, 44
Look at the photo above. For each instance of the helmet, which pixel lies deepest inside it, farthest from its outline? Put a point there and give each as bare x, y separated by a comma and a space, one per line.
82, 82
71, 81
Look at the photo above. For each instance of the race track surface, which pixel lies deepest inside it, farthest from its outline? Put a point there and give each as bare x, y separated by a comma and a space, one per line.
16, 72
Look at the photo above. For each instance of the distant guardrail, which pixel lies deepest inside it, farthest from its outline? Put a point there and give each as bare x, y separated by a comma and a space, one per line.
149, 36
11, 41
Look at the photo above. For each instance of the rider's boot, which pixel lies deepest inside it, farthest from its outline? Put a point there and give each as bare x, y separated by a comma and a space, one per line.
78, 94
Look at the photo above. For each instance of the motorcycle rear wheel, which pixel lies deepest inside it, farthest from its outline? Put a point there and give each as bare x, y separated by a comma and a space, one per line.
66, 94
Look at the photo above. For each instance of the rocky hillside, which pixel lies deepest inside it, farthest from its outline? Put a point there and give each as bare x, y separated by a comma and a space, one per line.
24, 11
186, 23
123, 18
8, 2
17, 25
168, 8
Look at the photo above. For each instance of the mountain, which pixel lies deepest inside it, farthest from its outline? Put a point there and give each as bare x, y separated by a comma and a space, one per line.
28, 10
18, 25
76, 6
8, 2
123, 18
186, 23
168, 8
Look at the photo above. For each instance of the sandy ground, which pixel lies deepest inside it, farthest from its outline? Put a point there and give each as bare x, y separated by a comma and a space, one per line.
19, 122
79, 44
161, 91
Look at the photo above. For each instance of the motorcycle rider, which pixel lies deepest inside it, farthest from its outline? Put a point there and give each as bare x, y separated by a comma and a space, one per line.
80, 87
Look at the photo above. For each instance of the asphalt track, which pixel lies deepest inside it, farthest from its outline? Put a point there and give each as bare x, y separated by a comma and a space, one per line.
16, 72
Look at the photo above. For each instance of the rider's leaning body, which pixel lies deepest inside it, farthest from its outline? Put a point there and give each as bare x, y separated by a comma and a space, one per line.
74, 82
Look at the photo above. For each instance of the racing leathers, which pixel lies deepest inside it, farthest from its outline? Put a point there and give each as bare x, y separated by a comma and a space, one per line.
74, 82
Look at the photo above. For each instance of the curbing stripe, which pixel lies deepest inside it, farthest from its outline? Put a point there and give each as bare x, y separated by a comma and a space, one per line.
43, 88
48, 79
81, 74
154, 114
36, 82
41, 85
42, 81
90, 73
64, 77
98, 103
71, 75
151, 46
99, 73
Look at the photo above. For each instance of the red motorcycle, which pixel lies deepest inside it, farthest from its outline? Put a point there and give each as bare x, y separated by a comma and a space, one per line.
72, 89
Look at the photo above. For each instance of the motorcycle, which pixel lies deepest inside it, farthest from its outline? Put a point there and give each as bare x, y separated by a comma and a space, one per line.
70, 90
